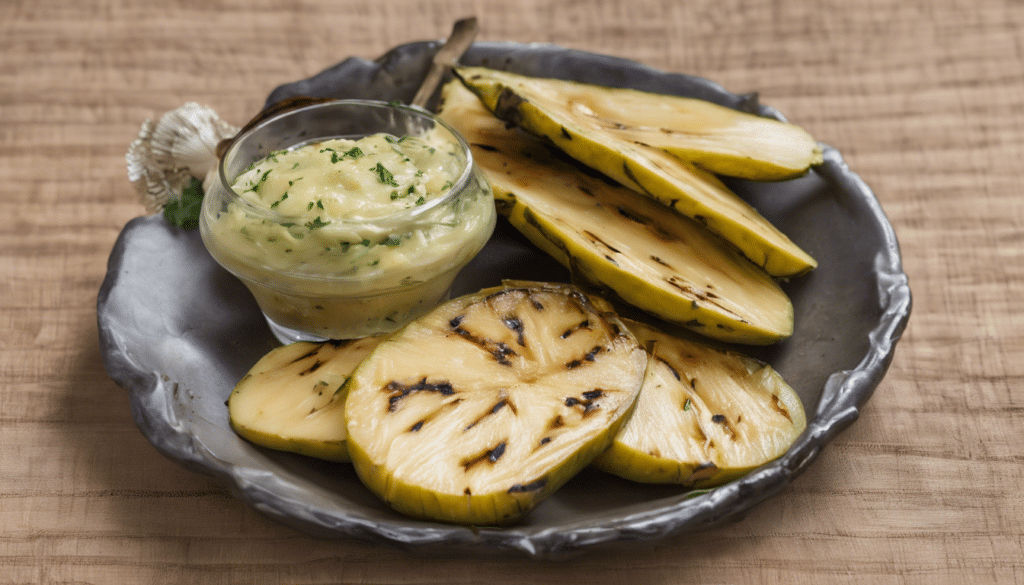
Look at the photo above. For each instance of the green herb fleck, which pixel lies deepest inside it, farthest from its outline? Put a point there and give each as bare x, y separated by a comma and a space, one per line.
316, 223
384, 175
355, 152
686, 405
278, 202
184, 212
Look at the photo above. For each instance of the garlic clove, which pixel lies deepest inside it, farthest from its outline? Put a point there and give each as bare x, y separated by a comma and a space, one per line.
168, 153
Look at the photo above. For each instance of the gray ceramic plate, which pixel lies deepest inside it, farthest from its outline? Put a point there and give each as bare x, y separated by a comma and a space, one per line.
177, 332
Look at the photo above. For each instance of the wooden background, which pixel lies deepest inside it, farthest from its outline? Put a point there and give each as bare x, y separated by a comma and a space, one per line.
925, 98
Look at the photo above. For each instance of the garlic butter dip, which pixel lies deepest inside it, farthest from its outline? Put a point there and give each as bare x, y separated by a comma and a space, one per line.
341, 237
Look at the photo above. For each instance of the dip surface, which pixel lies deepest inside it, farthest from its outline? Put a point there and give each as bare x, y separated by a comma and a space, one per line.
351, 179
337, 233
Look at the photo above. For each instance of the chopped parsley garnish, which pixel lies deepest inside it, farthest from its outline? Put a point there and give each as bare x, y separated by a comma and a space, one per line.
283, 197
255, 186
398, 195
354, 152
316, 223
184, 212
384, 175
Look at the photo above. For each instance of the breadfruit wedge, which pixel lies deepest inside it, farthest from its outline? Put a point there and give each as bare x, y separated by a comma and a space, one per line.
478, 411
563, 112
293, 399
704, 416
656, 260
716, 138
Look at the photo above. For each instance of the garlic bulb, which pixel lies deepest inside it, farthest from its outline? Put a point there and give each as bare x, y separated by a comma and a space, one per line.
168, 153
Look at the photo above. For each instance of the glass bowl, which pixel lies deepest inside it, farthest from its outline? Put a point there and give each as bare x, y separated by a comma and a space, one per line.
341, 272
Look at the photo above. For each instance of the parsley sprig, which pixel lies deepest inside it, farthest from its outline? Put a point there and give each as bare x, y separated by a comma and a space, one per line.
184, 212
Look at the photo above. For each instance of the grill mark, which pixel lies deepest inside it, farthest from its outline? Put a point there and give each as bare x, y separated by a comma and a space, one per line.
516, 325
499, 350
589, 357
496, 453
319, 389
587, 400
598, 240
533, 486
669, 366
494, 410
633, 216
316, 366
726, 425
701, 435
696, 295
702, 471
490, 455
626, 170
584, 324
400, 391
537, 305
308, 354
482, 146
660, 261
593, 237
780, 408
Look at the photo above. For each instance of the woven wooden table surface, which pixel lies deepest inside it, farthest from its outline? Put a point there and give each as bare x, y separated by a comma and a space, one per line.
924, 98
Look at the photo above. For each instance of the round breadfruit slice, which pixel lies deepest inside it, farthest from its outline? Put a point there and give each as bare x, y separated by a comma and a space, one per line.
293, 399
704, 416
478, 411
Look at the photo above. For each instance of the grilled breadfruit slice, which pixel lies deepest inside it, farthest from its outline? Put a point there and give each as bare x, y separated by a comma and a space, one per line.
716, 138
704, 416
587, 123
658, 261
293, 399
479, 410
